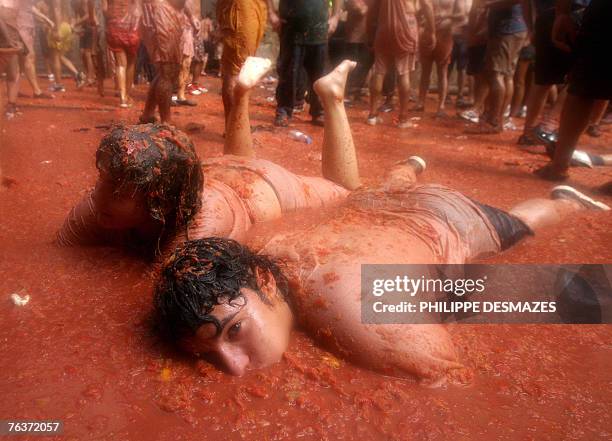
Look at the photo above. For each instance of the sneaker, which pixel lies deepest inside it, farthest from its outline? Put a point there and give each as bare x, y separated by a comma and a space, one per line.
57, 87
193, 90
418, 164
507, 111
51, 77
299, 108
373, 120
509, 125
469, 115
281, 120
545, 136
80, 79
567, 192
523, 112
10, 111
528, 138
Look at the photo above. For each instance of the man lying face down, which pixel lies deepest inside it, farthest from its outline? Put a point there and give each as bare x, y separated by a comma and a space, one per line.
152, 185
217, 297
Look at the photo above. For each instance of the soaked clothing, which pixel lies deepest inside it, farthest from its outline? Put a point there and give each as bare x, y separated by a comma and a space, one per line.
356, 22
426, 224
121, 30
238, 192
25, 24
397, 30
161, 29
241, 24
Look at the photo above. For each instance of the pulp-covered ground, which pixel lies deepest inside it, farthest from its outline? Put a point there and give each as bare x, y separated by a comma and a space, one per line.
82, 351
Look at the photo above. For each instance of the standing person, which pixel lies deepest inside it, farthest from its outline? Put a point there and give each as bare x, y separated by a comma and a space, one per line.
507, 34
60, 39
552, 64
358, 44
200, 58
459, 57
589, 78
448, 14
241, 26
85, 31
27, 59
162, 31
122, 38
477, 33
306, 26
14, 46
190, 32
395, 47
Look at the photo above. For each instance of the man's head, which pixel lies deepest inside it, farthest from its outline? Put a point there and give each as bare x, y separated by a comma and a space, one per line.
148, 173
217, 297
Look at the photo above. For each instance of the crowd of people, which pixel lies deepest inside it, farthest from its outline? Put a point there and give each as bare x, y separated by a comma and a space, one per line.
215, 295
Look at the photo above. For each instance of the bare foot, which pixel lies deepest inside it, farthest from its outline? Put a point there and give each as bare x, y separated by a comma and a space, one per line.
252, 71
332, 85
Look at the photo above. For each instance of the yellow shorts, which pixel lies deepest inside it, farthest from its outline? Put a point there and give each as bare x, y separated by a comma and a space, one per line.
64, 43
242, 24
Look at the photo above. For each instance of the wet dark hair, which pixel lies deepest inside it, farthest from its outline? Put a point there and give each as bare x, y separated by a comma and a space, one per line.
161, 162
201, 274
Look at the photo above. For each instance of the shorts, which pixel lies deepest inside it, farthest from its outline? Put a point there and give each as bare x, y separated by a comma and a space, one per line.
162, 31
459, 55
509, 228
64, 43
527, 53
591, 76
403, 63
476, 59
27, 37
503, 52
242, 24
121, 39
86, 40
441, 54
551, 63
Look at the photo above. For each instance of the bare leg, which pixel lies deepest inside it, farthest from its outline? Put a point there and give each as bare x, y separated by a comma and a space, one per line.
88, 64
376, 87
56, 63
29, 69
227, 93
404, 96
535, 105
238, 140
130, 71
520, 77
121, 68
541, 213
183, 78
442, 69
339, 159
69, 65
426, 65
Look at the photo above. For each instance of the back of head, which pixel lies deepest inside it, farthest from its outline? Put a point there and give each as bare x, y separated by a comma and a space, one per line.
159, 161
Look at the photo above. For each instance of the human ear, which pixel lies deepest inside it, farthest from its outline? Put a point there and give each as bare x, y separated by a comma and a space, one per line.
267, 284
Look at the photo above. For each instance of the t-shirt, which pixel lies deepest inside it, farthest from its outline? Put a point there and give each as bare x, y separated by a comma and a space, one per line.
507, 21
306, 20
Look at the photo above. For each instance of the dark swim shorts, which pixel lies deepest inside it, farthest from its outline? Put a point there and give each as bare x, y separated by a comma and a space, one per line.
510, 228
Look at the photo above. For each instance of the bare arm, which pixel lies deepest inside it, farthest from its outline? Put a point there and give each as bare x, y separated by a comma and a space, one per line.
42, 17
335, 16
273, 16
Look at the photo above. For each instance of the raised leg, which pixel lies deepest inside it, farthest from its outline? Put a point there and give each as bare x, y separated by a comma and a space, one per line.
339, 159
238, 140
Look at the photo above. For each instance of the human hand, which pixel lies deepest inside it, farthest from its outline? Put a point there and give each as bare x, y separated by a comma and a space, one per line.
274, 21
332, 24
564, 32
